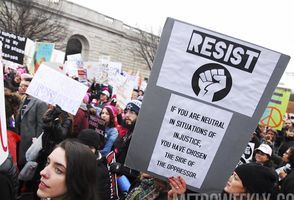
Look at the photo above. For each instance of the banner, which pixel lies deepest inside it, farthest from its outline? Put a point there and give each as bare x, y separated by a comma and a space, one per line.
54, 88
206, 93
13, 47
276, 109
3, 130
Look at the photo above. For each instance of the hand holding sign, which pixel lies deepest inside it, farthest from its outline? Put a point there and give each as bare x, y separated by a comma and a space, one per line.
211, 81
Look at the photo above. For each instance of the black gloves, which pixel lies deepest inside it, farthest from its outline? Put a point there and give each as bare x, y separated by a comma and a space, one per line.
51, 115
115, 167
118, 168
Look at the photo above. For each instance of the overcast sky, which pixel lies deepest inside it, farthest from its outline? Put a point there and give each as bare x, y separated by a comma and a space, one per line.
268, 23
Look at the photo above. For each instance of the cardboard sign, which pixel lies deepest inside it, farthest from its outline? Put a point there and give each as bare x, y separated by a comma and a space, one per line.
13, 47
54, 88
206, 93
3, 129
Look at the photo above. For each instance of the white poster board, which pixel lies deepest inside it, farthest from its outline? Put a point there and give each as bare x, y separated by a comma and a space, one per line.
102, 72
122, 88
57, 56
54, 88
3, 130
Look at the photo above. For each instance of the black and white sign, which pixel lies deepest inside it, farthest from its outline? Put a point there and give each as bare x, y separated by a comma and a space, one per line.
225, 69
205, 95
13, 48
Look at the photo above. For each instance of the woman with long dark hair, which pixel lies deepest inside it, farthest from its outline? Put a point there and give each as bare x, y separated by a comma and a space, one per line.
70, 173
108, 114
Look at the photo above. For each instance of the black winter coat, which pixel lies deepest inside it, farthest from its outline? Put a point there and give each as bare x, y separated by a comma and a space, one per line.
8, 179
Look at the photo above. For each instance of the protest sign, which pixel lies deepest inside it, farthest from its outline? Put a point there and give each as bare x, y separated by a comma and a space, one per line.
276, 109
30, 48
112, 176
76, 59
29, 52
54, 88
103, 73
43, 53
70, 68
96, 123
3, 130
13, 47
56, 66
122, 87
248, 153
58, 56
82, 75
205, 96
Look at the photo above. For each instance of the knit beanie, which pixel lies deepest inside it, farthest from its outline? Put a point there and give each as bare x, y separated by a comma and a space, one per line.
134, 105
91, 138
256, 178
112, 108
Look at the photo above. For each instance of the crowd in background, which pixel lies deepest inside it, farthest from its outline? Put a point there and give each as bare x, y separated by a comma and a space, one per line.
71, 161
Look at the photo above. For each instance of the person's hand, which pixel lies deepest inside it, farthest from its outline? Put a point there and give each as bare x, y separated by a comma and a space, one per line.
34, 139
178, 187
115, 167
282, 174
119, 109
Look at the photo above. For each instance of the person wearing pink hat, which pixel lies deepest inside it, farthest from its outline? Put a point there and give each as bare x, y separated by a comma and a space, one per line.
108, 114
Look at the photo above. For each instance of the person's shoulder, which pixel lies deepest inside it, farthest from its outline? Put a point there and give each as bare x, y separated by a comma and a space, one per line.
6, 165
38, 101
112, 129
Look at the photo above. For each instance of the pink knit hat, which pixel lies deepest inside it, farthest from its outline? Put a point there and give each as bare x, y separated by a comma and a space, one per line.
86, 98
113, 109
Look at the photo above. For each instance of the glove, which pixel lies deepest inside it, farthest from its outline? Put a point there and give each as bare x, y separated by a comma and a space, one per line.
115, 167
51, 114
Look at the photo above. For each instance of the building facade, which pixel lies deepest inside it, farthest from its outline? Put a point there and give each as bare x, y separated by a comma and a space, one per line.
95, 35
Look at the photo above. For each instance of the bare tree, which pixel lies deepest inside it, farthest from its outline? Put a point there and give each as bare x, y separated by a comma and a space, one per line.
147, 46
37, 20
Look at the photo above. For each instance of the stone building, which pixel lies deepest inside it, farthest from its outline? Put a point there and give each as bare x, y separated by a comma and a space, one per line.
95, 35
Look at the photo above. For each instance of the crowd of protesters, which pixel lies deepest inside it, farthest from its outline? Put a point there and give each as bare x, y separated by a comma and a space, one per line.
69, 157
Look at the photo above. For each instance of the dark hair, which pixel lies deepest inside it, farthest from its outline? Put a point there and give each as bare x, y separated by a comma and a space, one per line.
81, 177
12, 103
28, 79
291, 156
111, 123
